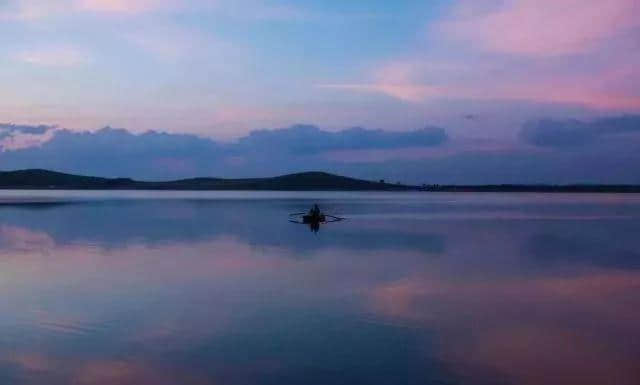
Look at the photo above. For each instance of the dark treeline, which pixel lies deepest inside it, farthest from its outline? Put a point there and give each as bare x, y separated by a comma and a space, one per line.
575, 188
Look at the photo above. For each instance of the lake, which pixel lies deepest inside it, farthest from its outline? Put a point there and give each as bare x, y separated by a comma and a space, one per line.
412, 288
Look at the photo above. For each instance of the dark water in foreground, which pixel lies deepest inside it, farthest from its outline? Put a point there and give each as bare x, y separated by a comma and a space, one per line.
219, 288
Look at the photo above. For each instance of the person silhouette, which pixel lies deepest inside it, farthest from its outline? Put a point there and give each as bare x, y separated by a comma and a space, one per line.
315, 211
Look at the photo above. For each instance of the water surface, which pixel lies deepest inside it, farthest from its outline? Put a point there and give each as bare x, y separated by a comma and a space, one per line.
413, 288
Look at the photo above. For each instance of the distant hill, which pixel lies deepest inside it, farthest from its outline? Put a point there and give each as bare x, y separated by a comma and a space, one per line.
307, 181
45, 179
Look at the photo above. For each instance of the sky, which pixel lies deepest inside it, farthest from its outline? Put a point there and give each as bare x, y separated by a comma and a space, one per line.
494, 75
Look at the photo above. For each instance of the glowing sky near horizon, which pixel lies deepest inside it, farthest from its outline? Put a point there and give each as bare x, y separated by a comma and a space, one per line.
223, 67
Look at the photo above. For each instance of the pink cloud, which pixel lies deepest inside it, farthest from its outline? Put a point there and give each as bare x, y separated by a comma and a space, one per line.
417, 81
542, 27
34, 10
121, 6
491, 67
20, 140
394, 79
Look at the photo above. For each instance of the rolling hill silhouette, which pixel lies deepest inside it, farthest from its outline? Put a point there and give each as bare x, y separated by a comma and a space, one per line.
305, 181
45, 179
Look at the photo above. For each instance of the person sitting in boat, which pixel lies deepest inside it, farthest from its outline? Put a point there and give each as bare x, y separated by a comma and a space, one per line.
315, 211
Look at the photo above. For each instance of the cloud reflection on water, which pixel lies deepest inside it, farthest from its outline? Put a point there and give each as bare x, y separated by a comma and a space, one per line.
222, 292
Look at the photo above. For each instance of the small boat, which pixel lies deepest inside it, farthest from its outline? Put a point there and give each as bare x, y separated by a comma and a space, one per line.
314, 218
314, 215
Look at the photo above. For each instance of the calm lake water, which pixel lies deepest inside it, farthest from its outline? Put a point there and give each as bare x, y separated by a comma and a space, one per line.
413, 288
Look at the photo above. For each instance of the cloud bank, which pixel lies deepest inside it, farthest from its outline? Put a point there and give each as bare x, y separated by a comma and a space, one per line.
156, 155
571, 133
16, 136
307, 139
545, 151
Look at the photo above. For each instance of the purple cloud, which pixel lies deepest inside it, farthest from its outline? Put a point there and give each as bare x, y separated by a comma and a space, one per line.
571, 133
